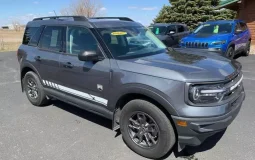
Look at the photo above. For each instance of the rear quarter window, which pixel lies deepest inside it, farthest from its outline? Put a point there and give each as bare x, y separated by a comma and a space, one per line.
29, 32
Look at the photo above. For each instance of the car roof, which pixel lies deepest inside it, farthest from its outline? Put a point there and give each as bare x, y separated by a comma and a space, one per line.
223, 21
99, 22
167, 24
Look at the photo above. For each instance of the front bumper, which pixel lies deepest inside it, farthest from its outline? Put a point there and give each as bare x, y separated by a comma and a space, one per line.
199, 129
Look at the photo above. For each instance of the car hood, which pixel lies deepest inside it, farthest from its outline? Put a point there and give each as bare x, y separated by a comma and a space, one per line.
188, 65
206, 37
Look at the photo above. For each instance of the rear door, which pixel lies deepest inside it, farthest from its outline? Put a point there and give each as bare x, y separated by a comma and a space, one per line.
49, 49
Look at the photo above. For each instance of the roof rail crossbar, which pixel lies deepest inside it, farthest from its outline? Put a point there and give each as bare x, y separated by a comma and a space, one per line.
75, 18
120, 18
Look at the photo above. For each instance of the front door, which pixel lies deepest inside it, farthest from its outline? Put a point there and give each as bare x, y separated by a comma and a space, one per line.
172, 39
87, 80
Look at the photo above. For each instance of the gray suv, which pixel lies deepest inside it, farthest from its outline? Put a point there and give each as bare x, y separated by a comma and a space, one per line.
116, 68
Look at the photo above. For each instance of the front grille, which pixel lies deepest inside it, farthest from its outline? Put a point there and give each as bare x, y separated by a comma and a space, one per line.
196, 45
231, 83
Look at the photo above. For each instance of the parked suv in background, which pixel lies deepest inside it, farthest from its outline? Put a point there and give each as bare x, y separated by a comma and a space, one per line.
170, 33
156, 95
227, 37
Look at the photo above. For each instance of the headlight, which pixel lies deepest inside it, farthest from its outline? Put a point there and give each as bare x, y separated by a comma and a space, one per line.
204, 94
219, 42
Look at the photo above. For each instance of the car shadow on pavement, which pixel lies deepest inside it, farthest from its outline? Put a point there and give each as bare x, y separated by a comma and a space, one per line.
84, 114
190, 151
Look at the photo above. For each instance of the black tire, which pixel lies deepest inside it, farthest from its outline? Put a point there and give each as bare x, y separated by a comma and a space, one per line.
166, 135
247, 49
39, 96
230, 53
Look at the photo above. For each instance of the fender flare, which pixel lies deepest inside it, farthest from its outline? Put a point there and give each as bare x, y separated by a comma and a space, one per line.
147, 91
27, 65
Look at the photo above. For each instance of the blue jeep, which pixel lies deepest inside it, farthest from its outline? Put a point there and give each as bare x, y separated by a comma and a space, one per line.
227, 37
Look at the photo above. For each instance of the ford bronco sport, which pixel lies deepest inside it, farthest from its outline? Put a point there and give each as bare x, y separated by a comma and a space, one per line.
156, 95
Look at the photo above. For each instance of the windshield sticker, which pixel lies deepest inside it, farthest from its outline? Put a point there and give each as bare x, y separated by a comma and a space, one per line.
157, 31
120, 33
216, 29
206, 25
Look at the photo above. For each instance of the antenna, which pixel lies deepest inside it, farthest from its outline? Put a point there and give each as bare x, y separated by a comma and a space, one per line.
55, 13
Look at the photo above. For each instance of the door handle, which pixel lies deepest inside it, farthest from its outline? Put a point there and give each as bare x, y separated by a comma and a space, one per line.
37, 58
68, 65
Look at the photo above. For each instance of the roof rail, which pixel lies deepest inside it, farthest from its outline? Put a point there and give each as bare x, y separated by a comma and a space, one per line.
120, 18
75, 18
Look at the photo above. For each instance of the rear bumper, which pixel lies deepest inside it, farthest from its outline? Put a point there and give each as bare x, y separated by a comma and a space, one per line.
199, 129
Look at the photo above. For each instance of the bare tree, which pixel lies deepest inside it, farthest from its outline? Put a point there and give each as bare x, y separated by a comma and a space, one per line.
87, 8
16, 25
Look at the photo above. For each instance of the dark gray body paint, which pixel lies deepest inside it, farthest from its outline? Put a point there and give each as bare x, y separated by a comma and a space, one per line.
161, 77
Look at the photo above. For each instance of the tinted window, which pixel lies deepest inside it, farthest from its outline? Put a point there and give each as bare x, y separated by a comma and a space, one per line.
180, 28
158, 30
243, 26
51, 38
238, 28
171, 29
35, 39
29, 32
80, 39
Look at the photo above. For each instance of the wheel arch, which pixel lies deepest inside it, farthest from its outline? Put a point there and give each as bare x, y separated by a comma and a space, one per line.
26, 68
141, 93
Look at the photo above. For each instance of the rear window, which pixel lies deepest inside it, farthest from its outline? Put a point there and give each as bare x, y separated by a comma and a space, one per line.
29, 32
35, 38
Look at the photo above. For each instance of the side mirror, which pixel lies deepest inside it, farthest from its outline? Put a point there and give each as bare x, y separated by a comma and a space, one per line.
238, 31
171, 33
89, 56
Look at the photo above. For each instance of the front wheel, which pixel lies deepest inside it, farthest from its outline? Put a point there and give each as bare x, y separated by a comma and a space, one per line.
146, 129
230, 52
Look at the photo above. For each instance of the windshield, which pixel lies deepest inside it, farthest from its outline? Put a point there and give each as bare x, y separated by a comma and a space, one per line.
131, 42
158, 30
210, 29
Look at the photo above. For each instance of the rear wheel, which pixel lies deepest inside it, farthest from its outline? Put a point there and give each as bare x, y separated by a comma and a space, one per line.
34, 89
146, 129
247, 49
230, 52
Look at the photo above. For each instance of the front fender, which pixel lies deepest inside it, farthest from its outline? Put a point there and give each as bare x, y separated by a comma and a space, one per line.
145, 90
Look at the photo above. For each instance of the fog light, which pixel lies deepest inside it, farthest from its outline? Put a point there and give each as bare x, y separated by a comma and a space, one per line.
181, 123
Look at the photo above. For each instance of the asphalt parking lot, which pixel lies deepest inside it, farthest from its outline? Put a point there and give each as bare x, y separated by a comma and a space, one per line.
63, 132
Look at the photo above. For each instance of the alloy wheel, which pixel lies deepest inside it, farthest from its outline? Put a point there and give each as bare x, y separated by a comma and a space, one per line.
32, 89
143, 130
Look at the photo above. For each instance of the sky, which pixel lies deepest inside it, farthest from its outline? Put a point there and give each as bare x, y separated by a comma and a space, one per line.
143, 11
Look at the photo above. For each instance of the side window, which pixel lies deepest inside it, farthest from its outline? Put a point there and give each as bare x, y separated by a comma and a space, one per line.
35, 39
51, 38
180, 28
243, 26
238, 28
29, 32
171, 29
80, 39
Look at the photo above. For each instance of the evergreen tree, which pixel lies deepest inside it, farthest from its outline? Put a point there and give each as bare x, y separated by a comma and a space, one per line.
192, 12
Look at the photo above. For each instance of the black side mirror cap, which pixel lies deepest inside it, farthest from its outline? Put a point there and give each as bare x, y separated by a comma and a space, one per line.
90, 56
